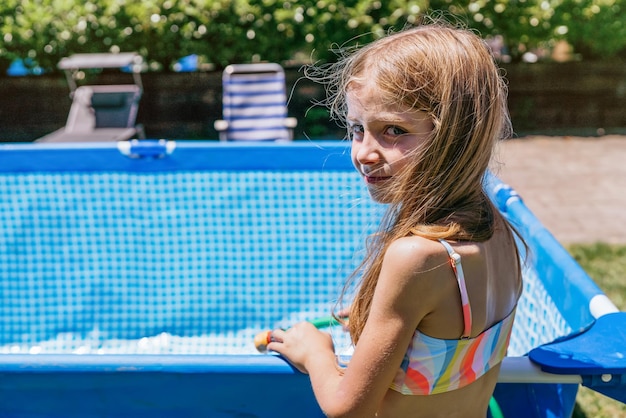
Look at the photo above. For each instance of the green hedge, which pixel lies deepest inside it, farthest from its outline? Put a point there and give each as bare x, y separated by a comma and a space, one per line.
228, 31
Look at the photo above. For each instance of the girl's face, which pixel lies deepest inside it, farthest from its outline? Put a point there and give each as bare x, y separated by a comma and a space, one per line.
383, 137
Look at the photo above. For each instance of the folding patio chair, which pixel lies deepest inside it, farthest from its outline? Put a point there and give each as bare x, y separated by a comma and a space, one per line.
254, 104
101, 112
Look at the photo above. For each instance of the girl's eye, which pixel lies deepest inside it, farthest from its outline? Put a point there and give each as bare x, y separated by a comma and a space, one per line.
395, 131
355, 131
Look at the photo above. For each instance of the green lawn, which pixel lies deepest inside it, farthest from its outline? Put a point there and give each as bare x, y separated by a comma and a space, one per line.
606, 264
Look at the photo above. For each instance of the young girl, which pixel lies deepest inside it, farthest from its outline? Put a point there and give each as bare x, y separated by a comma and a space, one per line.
439, 286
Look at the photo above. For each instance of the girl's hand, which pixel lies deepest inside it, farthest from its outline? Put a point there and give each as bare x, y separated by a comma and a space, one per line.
345, 313
300, 343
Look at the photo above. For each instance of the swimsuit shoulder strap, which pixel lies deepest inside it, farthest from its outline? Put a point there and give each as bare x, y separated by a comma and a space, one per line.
455, 262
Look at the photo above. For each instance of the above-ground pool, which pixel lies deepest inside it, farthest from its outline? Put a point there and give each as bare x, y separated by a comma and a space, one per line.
134, 277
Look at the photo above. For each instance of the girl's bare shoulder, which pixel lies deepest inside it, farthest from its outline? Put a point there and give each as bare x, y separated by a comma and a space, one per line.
410, 282
415, 264
415, 253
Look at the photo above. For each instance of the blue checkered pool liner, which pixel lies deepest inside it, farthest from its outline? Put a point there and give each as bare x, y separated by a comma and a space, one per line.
121, 256
187, 259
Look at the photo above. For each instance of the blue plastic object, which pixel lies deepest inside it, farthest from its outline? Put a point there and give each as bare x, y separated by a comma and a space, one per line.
133, 276
598, 355
157, 386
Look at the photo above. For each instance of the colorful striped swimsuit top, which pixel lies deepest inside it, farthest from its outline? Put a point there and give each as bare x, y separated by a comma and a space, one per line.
432, 365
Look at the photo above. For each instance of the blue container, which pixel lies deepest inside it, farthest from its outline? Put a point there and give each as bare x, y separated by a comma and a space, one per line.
134, 276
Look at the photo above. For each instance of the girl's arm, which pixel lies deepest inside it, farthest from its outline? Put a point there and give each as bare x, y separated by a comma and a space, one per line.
404, 295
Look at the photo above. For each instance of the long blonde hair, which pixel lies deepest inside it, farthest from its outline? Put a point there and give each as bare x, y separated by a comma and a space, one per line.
449, 73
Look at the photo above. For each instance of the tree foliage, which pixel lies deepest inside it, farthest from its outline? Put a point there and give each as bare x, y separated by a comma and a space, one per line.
229, 31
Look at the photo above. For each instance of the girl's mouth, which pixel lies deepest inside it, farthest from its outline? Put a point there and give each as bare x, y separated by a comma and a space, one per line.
375, 179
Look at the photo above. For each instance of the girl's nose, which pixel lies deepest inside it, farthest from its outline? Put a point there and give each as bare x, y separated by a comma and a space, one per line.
367, 152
